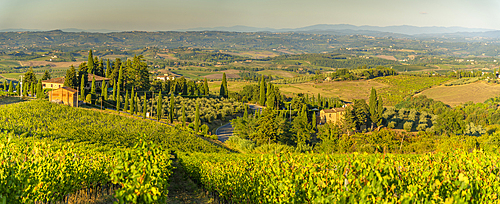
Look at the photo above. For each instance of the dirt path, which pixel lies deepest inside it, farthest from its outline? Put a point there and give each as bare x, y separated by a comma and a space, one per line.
183, 190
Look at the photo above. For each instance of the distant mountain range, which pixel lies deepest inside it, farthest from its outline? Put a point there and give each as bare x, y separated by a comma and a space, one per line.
75, 30
377, 31
403, 31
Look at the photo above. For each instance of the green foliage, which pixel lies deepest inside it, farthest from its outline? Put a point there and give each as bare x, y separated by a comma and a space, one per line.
327, 178
462, 81
39, 90
70, 79
46, 75
224, 92
403, 86
197, 118
262, 98
159, 108
42, 119
172, 107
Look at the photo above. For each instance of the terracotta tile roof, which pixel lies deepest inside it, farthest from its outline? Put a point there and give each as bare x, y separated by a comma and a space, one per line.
59, 80
69, 89
97, 78
335, 110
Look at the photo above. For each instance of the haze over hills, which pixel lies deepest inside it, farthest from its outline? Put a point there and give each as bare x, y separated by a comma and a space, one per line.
347, 29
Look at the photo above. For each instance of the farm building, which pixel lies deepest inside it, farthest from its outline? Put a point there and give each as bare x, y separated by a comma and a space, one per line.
64, 95
335, 115
98, 81
166, 77
54, 83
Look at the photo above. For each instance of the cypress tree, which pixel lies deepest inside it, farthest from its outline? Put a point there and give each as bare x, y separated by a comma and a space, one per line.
223, 87
125, 107
245, 114
262, 99
90, 63
32, 90
108, 69
82, 88
183, 115
172, 104
144, 106
104, 90
374, 116
120, 81
93, 92
380, 110
205, 86
11, 88
136, 104
39, 90
197, 118
132, 102
159, 107
313, 122
18, 89
114, 90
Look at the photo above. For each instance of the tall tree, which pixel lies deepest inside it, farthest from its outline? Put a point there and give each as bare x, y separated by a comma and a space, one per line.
70, 79
32, 90
172, 106
104, 90
373, 107
11, 88
245, 114
223, 87
114, 91
120, 78
144, 107
90, 63
93, 92
197, 118
109, 70
159, 108
39, 90
313, 122
18, 89
82, 88
29, 78
262, 98
126, 99
271, 97
136, 104
380, 111
205, 86
132, 102
100, 68
46, 75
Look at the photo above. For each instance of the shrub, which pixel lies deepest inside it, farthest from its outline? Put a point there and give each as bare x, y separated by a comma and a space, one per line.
408, 126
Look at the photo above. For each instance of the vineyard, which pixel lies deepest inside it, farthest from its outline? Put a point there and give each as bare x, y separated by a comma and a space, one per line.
94, 130
353, 178
37, 170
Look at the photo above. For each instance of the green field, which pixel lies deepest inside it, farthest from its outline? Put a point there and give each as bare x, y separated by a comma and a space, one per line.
193, 73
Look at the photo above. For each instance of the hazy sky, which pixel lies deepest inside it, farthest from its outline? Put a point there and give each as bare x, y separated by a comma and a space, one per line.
154, 15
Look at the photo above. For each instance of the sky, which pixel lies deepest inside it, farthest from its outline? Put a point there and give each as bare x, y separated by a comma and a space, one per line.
164, 15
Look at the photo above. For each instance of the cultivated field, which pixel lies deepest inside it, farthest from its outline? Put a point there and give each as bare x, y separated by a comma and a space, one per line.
345, 90
278, 73
52, 64
387, 57
456, 95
